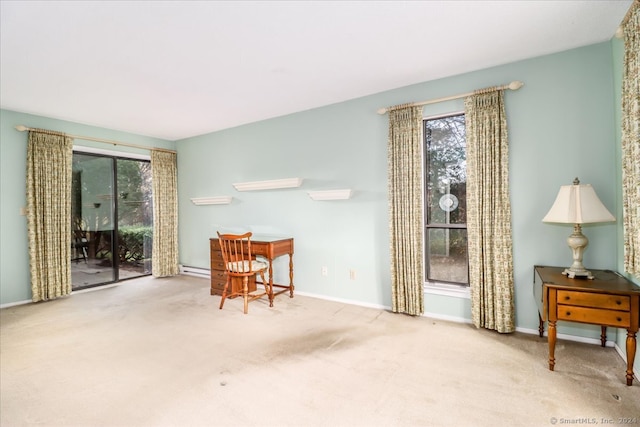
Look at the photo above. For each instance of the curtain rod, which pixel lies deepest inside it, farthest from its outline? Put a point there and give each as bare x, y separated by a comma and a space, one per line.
23, 128
515, 85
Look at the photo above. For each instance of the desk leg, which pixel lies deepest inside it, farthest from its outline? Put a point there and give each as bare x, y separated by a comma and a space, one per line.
552, 344
540, 326
631, 355
290, 275
270, 282
603, 336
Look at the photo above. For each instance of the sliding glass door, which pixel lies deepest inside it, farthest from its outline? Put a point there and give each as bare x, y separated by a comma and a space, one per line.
135, 217
111, 219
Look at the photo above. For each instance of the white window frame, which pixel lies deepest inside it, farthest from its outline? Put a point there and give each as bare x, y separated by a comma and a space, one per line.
430, 286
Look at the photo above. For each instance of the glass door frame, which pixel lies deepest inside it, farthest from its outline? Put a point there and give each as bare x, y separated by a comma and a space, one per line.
114, 156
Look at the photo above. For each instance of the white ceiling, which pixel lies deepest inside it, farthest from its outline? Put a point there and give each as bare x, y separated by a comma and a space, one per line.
175, 69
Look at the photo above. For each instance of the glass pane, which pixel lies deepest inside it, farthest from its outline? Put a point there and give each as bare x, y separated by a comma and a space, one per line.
92, 222
446, 170
447, 255
135, 217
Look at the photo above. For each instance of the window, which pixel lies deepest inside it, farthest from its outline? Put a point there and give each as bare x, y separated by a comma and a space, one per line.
445, 210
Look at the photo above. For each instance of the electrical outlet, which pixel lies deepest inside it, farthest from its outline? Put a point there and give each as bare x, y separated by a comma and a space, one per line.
324, 271
352, 274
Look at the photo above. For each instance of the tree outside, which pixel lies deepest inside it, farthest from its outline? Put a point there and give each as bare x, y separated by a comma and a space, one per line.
446, 208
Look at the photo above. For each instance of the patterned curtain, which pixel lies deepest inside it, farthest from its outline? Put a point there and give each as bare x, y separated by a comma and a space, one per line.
49, 158
631, 140
164, 174
405, 209
489, 212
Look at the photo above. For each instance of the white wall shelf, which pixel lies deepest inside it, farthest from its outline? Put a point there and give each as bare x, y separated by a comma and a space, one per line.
218, 200
330, 194
268, 185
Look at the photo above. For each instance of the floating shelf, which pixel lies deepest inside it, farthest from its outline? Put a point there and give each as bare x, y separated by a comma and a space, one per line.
219, 200
268, 185
330, 194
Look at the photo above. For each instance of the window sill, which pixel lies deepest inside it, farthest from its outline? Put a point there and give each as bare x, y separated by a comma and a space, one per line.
446, 289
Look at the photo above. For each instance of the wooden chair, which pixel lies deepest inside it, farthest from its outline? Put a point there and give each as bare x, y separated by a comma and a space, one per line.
239, 262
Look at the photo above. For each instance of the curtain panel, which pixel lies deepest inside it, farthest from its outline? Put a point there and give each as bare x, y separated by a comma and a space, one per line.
631, 140
49, 165
164, 174
405, 209
489, 212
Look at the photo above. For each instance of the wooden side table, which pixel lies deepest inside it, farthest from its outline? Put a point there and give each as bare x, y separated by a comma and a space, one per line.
607, 300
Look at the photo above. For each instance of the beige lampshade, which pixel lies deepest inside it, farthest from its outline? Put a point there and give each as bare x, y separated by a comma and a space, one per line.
578, 204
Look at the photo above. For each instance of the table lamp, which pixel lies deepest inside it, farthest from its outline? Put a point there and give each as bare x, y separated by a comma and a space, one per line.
577, 204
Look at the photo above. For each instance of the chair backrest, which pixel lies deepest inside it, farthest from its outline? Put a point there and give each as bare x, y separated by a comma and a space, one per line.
236, 253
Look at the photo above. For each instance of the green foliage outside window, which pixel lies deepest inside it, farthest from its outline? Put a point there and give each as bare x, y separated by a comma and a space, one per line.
132, 241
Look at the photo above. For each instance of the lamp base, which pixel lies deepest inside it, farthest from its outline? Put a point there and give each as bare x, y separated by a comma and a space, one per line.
577, 242
580, 274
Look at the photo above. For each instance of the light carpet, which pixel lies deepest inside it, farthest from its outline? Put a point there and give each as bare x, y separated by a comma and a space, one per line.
159, 352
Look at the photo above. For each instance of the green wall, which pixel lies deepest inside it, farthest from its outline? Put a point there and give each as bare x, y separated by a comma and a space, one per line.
14, 260
562, 124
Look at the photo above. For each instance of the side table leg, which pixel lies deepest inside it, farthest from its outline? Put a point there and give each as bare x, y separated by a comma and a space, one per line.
552, 344
603, 335
631, 355
270, 282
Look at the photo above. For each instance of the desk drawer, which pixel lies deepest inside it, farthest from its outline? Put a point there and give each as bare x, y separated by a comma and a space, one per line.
217, 287
217, 262
590, 299
216, 255
619, 319
218, 276
261, 250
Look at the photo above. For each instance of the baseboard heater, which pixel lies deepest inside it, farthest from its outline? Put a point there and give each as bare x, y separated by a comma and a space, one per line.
195, 271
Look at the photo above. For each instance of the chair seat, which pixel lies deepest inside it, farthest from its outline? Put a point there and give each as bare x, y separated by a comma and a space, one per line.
243, 266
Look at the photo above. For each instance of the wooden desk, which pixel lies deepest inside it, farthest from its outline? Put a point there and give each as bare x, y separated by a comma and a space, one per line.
607, 300
267, 246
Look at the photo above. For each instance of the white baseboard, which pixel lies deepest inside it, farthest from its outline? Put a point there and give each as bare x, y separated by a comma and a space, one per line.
568, 337
345, 301
12, 304
81, 291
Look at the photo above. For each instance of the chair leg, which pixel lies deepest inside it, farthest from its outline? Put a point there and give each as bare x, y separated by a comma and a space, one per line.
245, 293
224, 292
